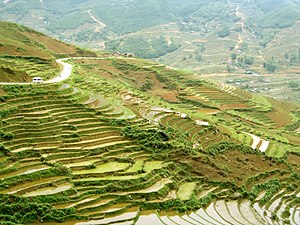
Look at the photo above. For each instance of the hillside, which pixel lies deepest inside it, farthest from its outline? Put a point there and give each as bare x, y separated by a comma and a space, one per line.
223, 40
131, 141
25, 53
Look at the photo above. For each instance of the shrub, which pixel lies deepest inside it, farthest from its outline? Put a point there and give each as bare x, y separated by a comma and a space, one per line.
19, 210
223, 147
91, 166
4, 150
224, 32
6, 136
151, 138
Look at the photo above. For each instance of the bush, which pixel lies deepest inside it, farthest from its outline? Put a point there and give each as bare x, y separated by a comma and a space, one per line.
4, 150
223, 147
19, 210
151, 138
224, 32
6, 136
271, 65
143, 47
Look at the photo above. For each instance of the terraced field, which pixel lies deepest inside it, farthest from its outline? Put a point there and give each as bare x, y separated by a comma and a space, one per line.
95, 149
28, 67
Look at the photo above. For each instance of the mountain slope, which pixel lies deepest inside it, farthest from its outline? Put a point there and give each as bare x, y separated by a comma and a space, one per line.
22, 41
274, 14
130, 141
21, 47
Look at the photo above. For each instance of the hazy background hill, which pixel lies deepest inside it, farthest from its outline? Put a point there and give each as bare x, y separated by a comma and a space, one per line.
91, 22
217, 38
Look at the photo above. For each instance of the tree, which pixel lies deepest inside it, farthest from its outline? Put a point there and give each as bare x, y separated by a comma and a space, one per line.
249, 60
294, 85
224, 32
271, 65
233, 56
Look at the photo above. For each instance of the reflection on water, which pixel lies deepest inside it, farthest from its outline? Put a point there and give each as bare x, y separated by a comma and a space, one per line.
49, 190
215, 213
149, 218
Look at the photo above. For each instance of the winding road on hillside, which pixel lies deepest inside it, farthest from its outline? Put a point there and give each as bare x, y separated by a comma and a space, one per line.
65, 74
242, 19
101, 25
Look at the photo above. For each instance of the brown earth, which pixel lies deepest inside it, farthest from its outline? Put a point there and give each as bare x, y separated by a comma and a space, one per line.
137, 79
281, 118
294, 160
233, 167
53, 45
9, 75
171, 96
233, 106
208, 111
17, 40
293, 139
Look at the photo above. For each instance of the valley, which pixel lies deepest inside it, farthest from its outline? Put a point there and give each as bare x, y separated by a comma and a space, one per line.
206, 132
224, 40
126, 140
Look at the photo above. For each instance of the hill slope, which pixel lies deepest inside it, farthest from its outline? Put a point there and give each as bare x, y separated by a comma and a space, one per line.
131, 141
22, 47
18, 40
221, 39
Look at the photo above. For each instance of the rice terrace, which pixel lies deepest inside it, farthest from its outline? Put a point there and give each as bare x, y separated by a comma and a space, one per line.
122, 140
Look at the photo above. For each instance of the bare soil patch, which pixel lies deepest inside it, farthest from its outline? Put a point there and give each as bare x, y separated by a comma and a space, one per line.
281, 118
171, 96
294, 160
233, 106
293, 139
232, 166
52, 45
208, 111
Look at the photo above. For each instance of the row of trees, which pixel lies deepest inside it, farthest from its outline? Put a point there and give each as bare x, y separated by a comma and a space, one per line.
271, 65
143, 47
19, 210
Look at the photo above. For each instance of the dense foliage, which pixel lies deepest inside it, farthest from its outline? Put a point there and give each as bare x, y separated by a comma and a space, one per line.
223, 147
19, 210
151, 138
143, 47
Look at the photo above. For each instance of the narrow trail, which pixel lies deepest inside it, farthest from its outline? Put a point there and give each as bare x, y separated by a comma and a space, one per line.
240, 35
261, 55
240, 15
101, 25
97, 29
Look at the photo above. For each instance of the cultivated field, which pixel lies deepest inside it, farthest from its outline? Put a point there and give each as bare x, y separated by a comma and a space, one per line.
128, 141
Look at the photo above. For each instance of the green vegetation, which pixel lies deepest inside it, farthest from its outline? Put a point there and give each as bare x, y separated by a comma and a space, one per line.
223, 147
271, 65
124, 136
224, 32
78, 161
222, 39
278, 14
20, 210
154, 139
143, 47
